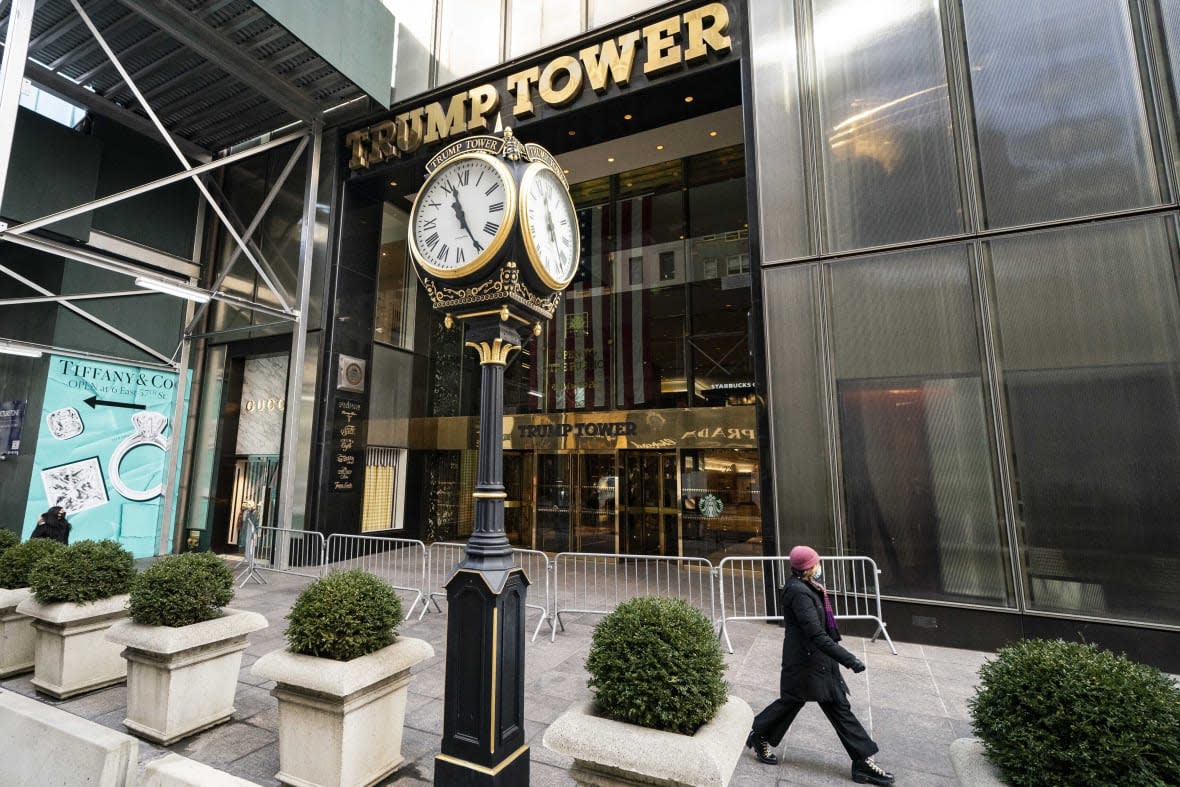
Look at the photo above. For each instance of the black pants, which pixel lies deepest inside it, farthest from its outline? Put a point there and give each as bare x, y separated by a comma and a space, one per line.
775, 718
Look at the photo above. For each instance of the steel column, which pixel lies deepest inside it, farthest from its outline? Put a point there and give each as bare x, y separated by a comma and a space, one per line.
12, 73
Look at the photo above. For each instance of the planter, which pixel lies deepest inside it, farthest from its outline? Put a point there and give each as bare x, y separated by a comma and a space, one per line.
182, 680
17, 637
72, 653
340, 722
608, 752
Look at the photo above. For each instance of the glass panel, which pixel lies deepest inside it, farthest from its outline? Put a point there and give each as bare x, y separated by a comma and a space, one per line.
918, 477
460, 52
415, 44
537, 23
594, 516
397, 287
1090, 330
204, 456
554, 498
385, 474
782, 191
604, 11
885, 121
1059, 110
798, 416
721, 504
518, 505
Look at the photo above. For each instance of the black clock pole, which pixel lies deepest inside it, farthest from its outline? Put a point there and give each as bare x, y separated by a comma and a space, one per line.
483, 708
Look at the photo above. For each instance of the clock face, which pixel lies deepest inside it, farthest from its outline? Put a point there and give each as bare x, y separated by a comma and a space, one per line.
550, 226
462, 216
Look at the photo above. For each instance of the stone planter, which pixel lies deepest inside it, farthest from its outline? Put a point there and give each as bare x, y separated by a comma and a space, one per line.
17, 637
182, 680
608, 752
72, 653
340, 722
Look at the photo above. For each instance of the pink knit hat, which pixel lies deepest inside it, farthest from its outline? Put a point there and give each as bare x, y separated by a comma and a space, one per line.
803, 558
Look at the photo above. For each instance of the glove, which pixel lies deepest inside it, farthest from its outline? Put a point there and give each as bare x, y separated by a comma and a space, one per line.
857, 666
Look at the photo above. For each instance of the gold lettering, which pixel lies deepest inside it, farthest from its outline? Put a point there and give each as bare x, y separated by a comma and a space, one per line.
249, 407
485, 99
702, 37
440, 126
381, 141
409, 130
551, 94
597, 59
357, 142
520, 85
663, 52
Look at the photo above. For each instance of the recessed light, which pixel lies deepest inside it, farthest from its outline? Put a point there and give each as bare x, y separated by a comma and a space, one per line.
571, 132
628, 184
712, 133
565, 171
627, 116
688, 99
659, 147
610, 159
393, 182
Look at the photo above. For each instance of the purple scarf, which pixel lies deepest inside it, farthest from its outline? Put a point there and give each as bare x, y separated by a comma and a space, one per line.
829, 615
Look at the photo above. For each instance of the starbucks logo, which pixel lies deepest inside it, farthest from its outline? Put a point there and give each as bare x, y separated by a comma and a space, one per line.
710, 505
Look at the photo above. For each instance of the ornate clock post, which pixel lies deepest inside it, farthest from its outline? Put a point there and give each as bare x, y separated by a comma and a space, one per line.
494, 240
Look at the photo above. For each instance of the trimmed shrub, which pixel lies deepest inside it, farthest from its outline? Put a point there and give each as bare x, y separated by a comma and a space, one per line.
1055, 713
84, 571
181, 590
344, 616
655, 662
17, 561
8, 539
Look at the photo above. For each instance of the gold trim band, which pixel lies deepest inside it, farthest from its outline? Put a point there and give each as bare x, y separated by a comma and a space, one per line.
490, 495
483, 768
495, 658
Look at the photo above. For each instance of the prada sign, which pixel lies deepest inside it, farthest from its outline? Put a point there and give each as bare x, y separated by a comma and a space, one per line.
685, 39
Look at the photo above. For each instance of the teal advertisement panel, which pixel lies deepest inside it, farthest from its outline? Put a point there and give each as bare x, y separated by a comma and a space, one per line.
102, 452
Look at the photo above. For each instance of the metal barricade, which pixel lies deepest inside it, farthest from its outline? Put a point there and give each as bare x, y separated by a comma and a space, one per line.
748, 590
399, 561
585, 582
445, 555
286, 551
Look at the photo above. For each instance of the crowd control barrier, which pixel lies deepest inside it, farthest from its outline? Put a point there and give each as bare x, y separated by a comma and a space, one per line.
748, 590
585, 582
284, 550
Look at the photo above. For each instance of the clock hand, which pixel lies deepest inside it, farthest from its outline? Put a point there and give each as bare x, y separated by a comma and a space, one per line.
458, 208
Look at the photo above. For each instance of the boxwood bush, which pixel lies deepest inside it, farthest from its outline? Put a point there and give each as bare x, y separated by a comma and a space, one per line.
655, 662
18, 560
1055, 713
84, 571
8, 539
181, 590
344, 616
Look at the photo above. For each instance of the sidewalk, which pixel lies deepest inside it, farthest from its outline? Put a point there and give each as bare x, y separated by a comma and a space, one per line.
914, 703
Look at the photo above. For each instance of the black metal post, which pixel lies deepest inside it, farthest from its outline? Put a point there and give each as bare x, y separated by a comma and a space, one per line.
483, 706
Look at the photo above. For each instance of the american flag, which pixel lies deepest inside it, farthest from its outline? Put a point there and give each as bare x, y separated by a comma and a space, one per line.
636, 380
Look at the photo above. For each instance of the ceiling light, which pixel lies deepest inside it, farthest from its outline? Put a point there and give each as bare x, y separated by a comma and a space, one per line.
393, 182
173, 288
610, 159
571, 132
659, 147
627, 116
23, 350
688, 99
565, 171
712, 133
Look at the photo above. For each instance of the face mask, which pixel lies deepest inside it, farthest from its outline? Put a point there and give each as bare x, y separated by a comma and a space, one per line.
819, 572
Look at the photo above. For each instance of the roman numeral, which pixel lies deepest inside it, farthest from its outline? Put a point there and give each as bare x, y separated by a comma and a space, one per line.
496, 207
464, 177
434, 204
432, 240
481, 174
459, 255
429, 224
443, 252
488, 191
489, 228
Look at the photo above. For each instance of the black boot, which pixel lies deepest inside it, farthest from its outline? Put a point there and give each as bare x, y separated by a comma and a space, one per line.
868, 772
761, 748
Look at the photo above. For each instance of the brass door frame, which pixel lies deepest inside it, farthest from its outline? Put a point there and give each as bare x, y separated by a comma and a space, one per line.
665, 508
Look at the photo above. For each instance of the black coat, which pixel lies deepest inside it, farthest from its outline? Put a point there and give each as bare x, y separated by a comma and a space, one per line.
811, 656
58, 531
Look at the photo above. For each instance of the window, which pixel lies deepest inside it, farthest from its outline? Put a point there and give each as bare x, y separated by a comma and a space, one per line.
385, 476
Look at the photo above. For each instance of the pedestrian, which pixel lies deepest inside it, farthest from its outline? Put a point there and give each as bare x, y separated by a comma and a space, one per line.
811, 672
53, 524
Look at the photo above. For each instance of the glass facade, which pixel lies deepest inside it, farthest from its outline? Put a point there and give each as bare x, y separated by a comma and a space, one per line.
990, 408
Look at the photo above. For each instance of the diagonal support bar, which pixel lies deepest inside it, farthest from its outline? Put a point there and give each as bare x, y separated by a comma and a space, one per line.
176, 151
12, 72
254, 224
90, 296
85, 315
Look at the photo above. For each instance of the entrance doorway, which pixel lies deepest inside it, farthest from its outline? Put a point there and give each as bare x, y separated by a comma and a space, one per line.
518, 504
577, 502
649, 511
255, 489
